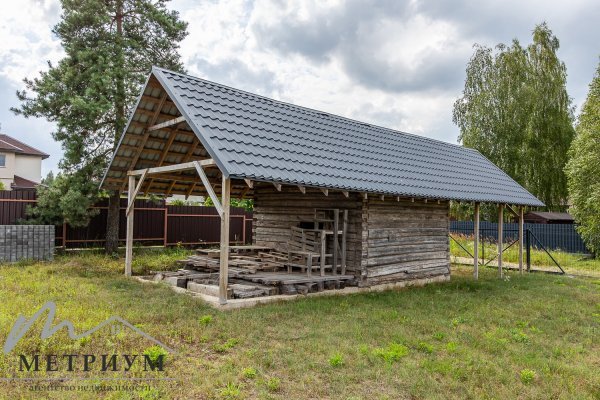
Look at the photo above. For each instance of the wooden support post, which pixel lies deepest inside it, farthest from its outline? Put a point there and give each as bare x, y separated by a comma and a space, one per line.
323, 252
344, 237
129, 237
476, 246
521, 239
500, 236
224, 255
336, 227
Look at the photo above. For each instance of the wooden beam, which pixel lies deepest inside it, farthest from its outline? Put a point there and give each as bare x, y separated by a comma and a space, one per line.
277, 186
173, 168
500, 237
135, 193
425, 200
365, 196
302, 189
224, 253
397, 198
476, 244
345, 193
146, 132
325, 191
249, 183
209, 188
412, 199
129, 234
170, 188
164, 152
521, 223
382, 197
166, 124
512, 211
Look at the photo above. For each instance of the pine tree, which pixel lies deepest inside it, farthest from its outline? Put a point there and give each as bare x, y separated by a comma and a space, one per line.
110, 47
515, 110
583, 169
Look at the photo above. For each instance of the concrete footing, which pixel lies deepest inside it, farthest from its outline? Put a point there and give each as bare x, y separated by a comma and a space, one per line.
251, 302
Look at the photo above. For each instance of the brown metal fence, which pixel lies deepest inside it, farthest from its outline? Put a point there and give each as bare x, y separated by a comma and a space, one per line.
155, 223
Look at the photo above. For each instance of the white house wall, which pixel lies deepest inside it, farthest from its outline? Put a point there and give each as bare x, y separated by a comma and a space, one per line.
7, 172
28, 167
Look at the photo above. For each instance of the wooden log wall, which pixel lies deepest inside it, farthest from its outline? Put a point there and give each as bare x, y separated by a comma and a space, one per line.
275, 212
388, 241
404, 240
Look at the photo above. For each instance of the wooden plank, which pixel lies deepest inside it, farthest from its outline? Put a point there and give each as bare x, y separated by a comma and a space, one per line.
223, 262
344, 240
166, 124
476, 243
521, 222
131, 204
129, 234
209, 188
173, 168
146, 133
500, 237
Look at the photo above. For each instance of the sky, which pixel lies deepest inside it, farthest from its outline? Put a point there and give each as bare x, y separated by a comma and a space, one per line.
393, 63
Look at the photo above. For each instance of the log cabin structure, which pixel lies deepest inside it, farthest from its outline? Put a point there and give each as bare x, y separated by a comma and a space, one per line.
190, 136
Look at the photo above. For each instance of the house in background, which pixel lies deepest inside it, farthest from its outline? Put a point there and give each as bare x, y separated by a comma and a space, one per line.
20, 164
542, 217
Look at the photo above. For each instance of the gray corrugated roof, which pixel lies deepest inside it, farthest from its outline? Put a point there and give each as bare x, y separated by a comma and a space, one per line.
255, 137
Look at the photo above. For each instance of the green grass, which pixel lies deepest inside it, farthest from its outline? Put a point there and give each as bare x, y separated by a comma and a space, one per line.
530, 336
571, 263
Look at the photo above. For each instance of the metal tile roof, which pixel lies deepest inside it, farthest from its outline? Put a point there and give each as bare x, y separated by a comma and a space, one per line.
251, 136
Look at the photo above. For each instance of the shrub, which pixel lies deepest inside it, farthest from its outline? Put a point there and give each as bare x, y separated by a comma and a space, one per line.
527, 376
336, 360
229, 344
392, 353
273, 384
451, 347
425, 347
230, 392
155, 352
249, 373
519, 336
205, 319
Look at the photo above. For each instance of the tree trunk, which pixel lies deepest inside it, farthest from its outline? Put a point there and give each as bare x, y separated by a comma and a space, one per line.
112, 223
112, 219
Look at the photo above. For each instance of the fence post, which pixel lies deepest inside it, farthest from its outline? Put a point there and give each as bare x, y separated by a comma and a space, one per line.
528, 245
165, 230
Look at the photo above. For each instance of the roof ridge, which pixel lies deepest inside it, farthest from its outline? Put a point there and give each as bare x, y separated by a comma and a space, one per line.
10, 144
24, 144
395, 131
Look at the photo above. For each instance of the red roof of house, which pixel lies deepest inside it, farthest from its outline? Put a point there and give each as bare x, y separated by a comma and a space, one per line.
8, 143
22, 183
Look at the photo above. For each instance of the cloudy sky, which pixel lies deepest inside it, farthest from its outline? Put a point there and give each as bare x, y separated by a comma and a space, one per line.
398, 64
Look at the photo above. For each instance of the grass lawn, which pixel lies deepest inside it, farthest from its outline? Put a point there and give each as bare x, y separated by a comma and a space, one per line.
571, 263
531, 336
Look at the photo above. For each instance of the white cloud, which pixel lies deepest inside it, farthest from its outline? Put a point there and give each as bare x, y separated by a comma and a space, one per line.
26, 43
393, 63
